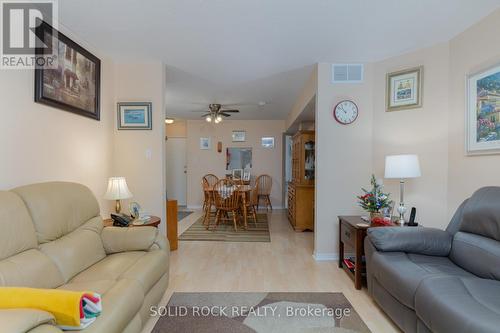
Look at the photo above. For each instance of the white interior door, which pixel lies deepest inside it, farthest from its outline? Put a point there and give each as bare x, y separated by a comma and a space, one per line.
176, 170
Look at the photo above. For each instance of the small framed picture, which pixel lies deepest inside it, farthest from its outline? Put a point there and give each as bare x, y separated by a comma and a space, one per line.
205, 144
404, 89
237, 173
239, 136
246, 175
134, 116
268, 142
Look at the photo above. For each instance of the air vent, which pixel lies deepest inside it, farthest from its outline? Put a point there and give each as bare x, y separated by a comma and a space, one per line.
347, 73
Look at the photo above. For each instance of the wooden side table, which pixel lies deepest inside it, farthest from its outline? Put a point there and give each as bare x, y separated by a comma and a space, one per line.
352, 232
153, 222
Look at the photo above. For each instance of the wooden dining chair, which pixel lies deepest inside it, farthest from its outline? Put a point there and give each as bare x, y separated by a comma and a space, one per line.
207, 182
227, 200
263, 185
251, 203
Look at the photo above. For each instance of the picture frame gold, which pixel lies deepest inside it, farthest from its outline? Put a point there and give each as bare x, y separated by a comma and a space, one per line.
404, 89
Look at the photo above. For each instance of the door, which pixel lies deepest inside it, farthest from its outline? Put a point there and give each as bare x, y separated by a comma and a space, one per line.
176, 169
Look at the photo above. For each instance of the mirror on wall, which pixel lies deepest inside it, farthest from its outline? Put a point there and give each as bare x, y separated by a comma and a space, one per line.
238, 158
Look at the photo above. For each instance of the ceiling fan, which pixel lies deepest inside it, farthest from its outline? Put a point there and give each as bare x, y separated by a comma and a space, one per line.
215, 113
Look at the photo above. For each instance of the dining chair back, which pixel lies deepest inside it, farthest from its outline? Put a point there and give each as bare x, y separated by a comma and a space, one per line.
210, 179
207, 181
227, 200
263, 185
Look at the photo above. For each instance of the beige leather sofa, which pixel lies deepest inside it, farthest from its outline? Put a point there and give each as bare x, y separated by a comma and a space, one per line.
51, 236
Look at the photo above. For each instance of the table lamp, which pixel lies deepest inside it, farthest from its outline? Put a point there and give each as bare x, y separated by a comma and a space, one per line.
402, 167
117, 190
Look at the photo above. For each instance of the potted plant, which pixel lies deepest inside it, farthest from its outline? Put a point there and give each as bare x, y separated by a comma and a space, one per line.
375, 200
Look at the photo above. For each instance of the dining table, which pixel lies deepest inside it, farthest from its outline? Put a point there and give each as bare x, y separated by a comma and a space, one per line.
244, 191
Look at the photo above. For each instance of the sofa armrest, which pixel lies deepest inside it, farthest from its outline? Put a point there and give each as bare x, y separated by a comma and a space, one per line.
117, 239
428, 241
26, 320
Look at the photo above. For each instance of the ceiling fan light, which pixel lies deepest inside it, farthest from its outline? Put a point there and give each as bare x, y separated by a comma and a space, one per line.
208, 119
219, 118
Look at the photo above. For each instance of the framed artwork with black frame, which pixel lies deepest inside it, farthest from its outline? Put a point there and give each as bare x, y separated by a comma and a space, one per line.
73, 82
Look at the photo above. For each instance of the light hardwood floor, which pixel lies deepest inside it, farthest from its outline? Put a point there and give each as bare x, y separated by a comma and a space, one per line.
284, 264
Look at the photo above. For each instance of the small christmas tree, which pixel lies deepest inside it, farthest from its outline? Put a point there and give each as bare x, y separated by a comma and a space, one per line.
375, 200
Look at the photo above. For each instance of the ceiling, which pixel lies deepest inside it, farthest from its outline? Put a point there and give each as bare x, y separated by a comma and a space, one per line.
240, 51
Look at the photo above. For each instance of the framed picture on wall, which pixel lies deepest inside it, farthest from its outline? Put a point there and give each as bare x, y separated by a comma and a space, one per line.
205, 144
483, 112
135, 116
404, 89
239, 136
267, 142
74, 83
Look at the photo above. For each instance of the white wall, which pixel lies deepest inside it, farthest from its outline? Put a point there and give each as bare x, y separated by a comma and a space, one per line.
41, 143
474, 50
265, 161
347, 155
139, 154
343, 156
422, 131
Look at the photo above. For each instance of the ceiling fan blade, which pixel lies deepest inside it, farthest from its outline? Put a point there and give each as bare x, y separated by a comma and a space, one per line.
199, 111
231, 111
206, 114
224, 114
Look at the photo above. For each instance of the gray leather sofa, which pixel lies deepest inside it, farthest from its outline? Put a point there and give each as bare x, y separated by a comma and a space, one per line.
431, 280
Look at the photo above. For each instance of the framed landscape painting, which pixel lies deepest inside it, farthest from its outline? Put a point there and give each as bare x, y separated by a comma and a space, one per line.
134, 116
404, 89
72, 83
483, 112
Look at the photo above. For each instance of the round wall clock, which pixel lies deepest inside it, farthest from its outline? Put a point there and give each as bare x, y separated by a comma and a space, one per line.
345, 112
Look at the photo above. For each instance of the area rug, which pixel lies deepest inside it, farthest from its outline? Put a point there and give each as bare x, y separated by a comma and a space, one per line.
225, 231
183, 214
258, 312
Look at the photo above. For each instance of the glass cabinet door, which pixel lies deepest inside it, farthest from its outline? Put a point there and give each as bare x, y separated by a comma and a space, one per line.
309, 162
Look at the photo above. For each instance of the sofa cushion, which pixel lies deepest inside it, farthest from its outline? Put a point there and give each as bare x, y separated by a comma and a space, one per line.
146, 268
77, 250
120, 304
30, 268
18, 233
477, 254
24, 320
401, 273
458, 304
481, 214
110, 268
57, 208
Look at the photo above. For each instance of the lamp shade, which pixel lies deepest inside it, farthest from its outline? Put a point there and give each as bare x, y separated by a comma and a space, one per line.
402, 166
117, 189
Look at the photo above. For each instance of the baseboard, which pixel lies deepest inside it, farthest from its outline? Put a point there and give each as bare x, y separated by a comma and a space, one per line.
326, 256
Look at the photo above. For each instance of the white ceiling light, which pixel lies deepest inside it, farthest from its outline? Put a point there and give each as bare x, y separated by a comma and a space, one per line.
208, 119
169, 121
219, 118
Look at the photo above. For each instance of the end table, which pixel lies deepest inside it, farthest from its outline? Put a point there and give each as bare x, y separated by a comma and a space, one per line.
153, 222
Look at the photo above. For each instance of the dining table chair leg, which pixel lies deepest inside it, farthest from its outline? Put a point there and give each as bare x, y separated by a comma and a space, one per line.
268, 199
234, 221
217, 219
254, 214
